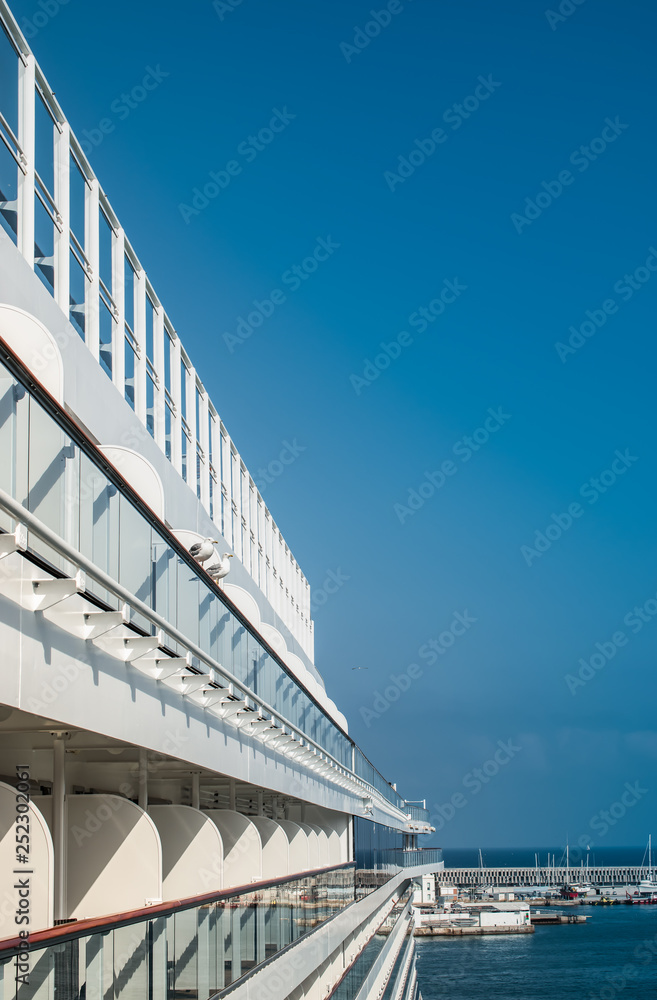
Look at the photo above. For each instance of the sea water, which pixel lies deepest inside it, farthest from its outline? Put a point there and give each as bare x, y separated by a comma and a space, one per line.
613, 955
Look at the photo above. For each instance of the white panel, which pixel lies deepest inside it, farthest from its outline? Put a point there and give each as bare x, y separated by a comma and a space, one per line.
115, 858
242, 847
26, 179
140, 474
298, 846
322, 843
176, 426
245, 602
35, 346
202, 433
91, 237
313, 846
140, 337
160, 344
40, 866
275, 848
192, 851
62, 193
118, 295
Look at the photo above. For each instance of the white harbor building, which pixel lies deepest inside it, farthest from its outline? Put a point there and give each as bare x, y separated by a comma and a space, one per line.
182, 811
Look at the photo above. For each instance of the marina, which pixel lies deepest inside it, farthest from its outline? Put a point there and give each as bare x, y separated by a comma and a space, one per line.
552, 876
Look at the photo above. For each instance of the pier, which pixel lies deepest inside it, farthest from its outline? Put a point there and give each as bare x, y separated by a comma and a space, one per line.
542, 876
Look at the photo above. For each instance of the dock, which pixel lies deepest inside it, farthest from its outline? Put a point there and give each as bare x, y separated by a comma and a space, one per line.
453, 931
542, 876
558, 918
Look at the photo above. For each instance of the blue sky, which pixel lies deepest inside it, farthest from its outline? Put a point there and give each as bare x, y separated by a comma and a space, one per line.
533, 231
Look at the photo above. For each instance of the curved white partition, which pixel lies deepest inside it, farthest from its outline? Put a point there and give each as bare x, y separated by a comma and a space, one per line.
313, 846
114, 855
274, 638
139, 472
297, 846
245, 602
40, 866
334, 844
192, 851
323, 845
275, 847
242, 847
35, 346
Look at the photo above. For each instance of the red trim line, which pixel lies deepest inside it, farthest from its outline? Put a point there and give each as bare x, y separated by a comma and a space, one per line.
80, 928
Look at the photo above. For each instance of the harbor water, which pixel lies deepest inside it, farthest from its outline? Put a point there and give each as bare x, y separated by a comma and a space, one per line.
612, 955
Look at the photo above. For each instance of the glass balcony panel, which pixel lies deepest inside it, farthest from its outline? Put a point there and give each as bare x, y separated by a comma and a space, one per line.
44, 153
50, 449
105, 331
77, 294
134, 552
188, 600
129, 372
131, 950
99, 522
8, 81
150, 405
8, 190
185, 971
168, 420
164, 579
59, 481
77, 195
105, 241
44, 244
14, 436
129, 293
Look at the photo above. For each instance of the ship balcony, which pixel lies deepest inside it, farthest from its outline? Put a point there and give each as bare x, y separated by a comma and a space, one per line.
84, 554
306, 936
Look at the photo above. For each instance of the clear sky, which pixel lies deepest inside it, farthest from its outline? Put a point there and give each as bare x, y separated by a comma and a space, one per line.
482, 175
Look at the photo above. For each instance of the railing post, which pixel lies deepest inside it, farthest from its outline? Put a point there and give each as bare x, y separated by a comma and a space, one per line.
59, 825
26, 138
143, 779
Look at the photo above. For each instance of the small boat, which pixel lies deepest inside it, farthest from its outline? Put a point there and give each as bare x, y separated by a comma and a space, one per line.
646, 891
580, 889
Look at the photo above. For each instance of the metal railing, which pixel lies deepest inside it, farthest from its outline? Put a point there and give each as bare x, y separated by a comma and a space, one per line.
218, 675
399, 857
190, 947
130, 294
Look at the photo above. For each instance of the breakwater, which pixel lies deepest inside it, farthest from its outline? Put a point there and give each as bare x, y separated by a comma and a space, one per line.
542, 876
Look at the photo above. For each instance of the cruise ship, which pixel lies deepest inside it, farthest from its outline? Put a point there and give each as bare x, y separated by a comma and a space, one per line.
183, 813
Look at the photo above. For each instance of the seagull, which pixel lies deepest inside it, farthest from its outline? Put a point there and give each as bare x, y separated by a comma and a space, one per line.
360, 668
202, 551
222, 568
